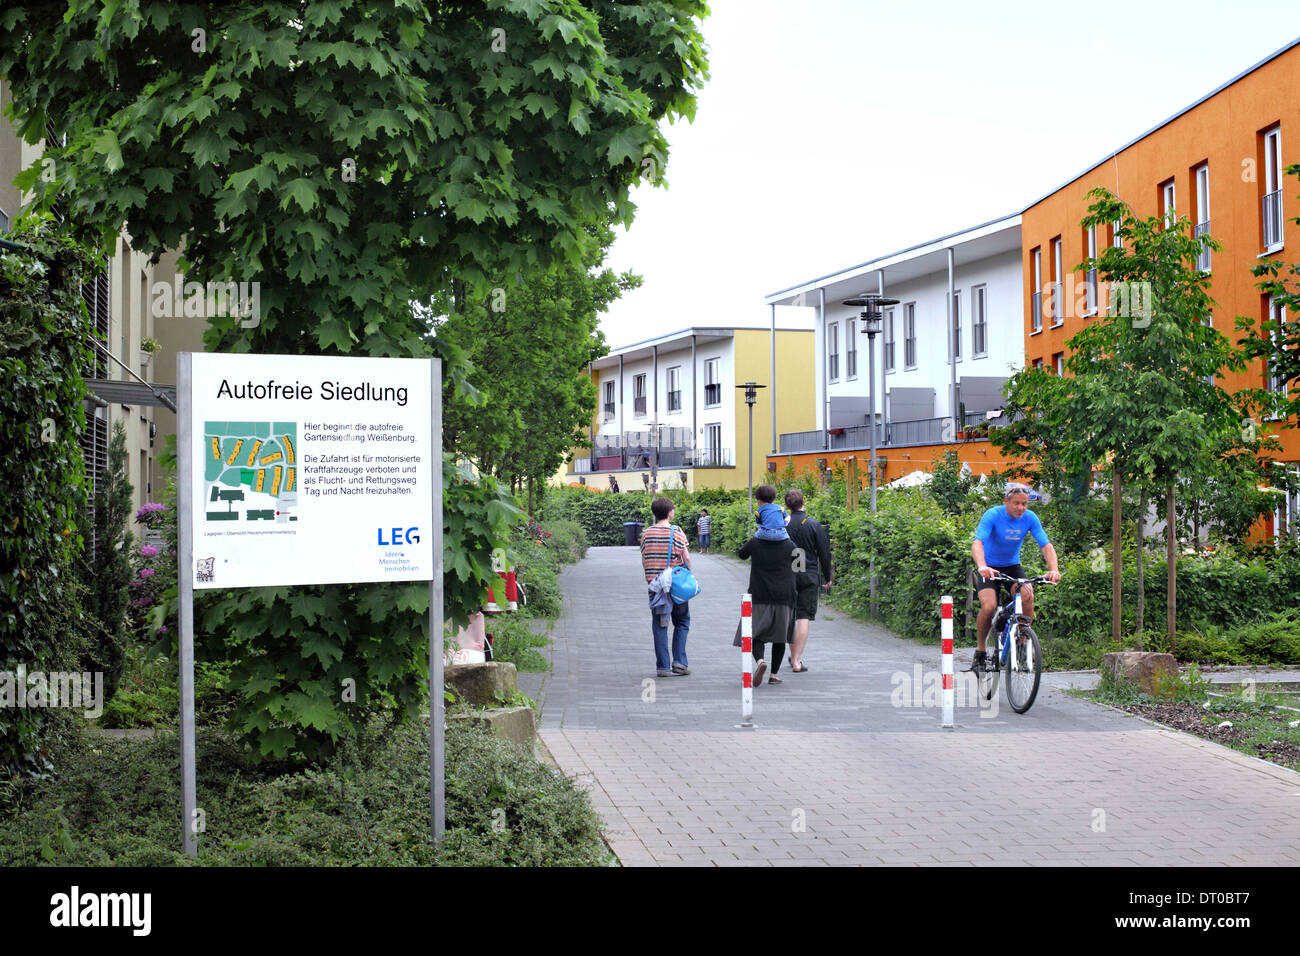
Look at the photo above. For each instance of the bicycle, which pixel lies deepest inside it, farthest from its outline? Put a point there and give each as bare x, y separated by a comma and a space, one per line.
1024, 667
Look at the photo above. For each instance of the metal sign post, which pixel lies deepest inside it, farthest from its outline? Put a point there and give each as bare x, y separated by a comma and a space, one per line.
185, 580
437, 743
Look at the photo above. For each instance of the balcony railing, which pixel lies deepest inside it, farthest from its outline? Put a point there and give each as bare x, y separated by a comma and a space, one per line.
929, 431
1273, 219
1203, 257
713, 458
1038, 312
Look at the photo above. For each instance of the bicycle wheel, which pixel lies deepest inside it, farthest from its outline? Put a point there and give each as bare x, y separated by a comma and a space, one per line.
1024, 666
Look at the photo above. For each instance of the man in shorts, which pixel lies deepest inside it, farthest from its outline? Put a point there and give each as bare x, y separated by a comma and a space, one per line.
996, 547
814, 557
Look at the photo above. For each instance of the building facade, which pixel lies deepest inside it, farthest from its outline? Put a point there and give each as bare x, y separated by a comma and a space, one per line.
670, 413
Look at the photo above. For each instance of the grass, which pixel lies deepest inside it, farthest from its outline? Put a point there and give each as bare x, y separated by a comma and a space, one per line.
1251, 719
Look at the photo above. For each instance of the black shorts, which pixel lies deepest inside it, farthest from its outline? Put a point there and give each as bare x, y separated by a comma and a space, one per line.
1011, 570
805, 598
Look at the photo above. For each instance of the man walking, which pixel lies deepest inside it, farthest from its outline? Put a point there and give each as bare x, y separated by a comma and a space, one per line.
705, 526
657, 542
815, 560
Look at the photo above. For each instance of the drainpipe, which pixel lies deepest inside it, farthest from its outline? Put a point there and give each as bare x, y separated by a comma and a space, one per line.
695, 402
952, 354
622, 463
773, 351
821, 360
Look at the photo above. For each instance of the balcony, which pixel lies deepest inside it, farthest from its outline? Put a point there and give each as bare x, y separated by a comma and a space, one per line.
613, 454
1038, 312
1273, 220
1202, 257
713, 458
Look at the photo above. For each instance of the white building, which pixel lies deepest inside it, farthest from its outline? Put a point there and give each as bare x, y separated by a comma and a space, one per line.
671, 404
919, 387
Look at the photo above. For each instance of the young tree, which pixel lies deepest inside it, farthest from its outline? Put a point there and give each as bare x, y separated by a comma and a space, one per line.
1141, 390
105, 566
530, 347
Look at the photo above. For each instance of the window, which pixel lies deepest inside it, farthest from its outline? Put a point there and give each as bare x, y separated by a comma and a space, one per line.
638, 395
909, 335
712, 384
1167, 203
851, 349
1038, 363
979, 321
1058, 363
1058, 272
675, 389
1272, 217
833, 351
956, 325
713, 452
1037, 319
609, 401
1090, 280
1201, 176
1115, 239
889, 340
1277, 314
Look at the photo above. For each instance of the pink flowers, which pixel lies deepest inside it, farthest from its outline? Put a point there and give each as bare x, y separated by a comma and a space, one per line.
149, 551
146, 572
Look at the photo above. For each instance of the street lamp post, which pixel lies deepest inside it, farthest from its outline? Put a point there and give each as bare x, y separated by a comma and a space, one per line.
870, 303
751, 396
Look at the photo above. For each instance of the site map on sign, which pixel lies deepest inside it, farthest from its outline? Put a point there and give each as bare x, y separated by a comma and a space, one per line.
250, 471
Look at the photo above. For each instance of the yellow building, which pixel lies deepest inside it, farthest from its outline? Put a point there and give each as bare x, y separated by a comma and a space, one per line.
672, 413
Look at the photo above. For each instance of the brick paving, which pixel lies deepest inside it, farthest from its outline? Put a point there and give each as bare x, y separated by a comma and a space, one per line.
848, 765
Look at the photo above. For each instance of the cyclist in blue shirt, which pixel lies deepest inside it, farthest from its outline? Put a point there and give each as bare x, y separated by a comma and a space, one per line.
996, 547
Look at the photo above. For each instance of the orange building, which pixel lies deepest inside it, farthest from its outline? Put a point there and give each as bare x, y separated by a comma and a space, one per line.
1221, 162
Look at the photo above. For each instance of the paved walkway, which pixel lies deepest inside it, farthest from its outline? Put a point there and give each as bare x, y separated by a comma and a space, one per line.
848, 764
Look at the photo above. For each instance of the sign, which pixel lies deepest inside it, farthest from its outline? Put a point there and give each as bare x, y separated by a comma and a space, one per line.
310, 470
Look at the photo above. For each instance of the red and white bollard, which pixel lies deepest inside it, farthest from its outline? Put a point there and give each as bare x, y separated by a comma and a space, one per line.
945, 637
747, 660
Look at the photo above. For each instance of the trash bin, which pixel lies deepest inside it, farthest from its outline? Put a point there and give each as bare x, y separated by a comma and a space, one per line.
632, 532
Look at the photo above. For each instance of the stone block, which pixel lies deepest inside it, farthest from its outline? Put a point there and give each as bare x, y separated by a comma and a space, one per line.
1151, 673
515, 724
483, 685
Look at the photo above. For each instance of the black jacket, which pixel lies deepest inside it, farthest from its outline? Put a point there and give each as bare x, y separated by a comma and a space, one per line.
771, 570
808, 534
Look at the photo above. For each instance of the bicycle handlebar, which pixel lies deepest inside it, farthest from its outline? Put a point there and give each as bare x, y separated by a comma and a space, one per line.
999, 576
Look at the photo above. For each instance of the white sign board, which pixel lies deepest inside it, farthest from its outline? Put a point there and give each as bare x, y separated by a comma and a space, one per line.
310, 470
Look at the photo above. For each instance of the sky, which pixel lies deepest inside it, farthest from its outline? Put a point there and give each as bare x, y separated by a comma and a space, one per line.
835, 131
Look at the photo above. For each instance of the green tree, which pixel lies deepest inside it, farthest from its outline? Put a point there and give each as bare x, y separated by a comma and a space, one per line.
354, 159
949, 485
106, 570
530, 346
1141, 392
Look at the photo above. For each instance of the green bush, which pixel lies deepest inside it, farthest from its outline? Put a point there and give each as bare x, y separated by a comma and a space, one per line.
567, 540
116, 805
514, 641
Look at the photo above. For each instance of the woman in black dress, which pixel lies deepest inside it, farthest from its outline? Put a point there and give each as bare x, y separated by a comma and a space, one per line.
772, 591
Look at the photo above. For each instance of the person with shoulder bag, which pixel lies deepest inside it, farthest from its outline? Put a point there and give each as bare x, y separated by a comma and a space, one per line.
666, 563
